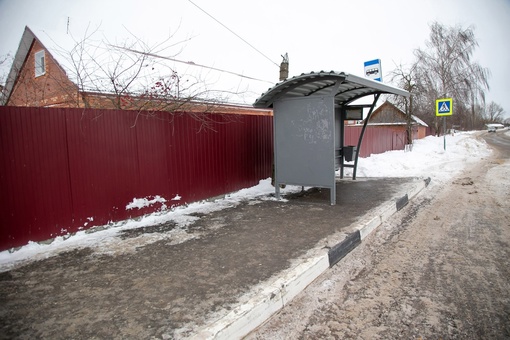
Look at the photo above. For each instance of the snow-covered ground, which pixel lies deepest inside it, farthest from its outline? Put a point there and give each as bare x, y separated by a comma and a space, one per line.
427, 159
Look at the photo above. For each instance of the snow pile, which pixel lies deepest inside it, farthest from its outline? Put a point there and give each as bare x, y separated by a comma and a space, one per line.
427, 159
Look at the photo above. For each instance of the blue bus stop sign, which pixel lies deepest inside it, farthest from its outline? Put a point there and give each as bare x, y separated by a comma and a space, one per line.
373, 69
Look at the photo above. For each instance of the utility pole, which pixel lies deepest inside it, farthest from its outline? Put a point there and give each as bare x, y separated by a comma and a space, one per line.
284, 67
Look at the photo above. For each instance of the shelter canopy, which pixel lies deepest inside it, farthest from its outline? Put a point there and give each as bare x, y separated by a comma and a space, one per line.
348, 88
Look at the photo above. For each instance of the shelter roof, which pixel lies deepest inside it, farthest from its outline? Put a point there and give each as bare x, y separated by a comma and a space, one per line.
350, 88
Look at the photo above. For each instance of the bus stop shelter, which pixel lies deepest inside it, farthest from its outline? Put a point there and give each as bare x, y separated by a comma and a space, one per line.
309, 113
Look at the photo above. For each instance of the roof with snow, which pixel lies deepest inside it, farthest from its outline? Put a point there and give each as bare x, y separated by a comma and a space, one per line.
389, 114
495, 125
347, 88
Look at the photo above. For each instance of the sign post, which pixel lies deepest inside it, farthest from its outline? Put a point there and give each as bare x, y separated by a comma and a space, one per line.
444, 107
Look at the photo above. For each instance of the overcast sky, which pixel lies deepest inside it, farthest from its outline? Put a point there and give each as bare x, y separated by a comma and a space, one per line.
318, 35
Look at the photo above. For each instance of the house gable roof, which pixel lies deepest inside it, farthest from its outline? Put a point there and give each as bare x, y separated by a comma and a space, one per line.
388, 113
27, 41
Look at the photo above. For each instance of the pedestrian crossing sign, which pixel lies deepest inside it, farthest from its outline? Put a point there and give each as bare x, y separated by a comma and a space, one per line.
444, 107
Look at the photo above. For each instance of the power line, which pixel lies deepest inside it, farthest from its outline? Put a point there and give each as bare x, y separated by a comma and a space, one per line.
234, 33
189, 63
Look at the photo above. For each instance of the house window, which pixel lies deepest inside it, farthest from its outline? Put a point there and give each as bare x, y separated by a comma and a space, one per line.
40, 63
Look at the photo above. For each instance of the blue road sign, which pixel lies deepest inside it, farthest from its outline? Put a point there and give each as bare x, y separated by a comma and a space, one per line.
444, 107
373, 69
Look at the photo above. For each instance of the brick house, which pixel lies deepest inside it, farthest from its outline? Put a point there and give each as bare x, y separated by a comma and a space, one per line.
38, 78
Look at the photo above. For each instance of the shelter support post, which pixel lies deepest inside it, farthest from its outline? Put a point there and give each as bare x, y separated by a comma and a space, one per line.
342, 137
376, 98
332, 194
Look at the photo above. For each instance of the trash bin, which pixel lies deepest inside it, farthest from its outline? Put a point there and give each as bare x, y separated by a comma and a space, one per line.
349, 153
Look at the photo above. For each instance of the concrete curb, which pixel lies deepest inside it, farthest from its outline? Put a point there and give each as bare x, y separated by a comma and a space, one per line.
274, 296
246, 317
389, 208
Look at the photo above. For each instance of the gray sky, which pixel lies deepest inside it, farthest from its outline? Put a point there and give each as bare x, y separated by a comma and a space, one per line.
318, 35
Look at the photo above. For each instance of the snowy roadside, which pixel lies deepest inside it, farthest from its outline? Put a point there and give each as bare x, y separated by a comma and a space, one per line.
428, 159
106, 239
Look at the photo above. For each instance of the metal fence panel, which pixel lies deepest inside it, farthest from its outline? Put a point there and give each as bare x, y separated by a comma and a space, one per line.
64, 170
377, 139
34, 177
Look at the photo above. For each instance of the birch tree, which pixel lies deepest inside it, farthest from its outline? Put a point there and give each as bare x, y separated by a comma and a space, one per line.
445, 69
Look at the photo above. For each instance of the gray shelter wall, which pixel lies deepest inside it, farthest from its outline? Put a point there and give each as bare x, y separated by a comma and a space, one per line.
305, 141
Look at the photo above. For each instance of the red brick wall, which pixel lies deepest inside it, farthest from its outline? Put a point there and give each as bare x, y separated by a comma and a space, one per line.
51, 89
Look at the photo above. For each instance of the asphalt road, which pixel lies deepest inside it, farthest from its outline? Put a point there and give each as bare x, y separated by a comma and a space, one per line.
438, 269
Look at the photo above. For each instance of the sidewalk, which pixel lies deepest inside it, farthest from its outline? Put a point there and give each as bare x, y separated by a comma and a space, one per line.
243, 264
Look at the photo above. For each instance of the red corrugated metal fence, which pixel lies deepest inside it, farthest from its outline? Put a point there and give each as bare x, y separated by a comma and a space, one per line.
377, 139
67, 169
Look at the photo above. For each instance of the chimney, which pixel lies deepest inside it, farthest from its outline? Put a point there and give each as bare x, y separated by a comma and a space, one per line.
284, 67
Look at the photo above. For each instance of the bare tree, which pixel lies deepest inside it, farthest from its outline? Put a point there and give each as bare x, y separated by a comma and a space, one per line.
4, 60
94, 72
123, 71
494, 113
405, 78
445, 69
